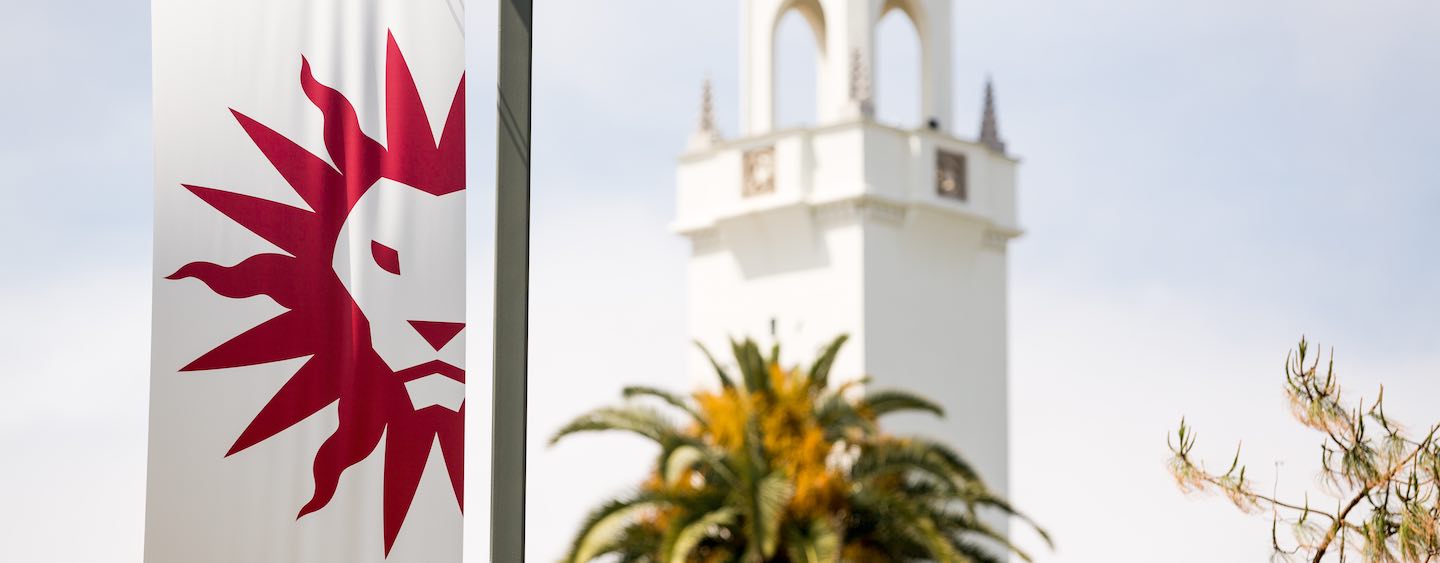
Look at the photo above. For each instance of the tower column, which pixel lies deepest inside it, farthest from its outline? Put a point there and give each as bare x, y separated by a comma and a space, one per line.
757, 58
851, 40
760, 21
933, 25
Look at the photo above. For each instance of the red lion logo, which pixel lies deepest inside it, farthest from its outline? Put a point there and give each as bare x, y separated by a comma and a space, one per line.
342, 283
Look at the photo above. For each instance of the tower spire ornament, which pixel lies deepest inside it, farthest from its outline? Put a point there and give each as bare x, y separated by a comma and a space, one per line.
707, 107
989, 124
706, 134
861, 98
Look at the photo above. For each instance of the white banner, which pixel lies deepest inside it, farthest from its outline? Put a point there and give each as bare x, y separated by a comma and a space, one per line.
307, 393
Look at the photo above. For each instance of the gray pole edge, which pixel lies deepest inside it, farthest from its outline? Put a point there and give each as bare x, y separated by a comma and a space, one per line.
512, 292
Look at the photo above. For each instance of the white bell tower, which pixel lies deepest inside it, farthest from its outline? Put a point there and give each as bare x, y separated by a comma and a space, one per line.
895, 236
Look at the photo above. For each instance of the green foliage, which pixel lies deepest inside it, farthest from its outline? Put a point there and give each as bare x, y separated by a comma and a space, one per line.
779, 466
1383, 484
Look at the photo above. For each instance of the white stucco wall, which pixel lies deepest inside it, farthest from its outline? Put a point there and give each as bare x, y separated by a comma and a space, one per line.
935, 323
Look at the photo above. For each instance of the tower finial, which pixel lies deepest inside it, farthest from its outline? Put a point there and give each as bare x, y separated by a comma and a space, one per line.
989, 124
706, 134
707, 107
861, 98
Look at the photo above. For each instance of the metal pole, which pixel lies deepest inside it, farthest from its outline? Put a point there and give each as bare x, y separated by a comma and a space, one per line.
512, 290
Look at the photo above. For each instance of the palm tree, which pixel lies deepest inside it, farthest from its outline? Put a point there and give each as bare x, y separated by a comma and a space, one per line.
781, 466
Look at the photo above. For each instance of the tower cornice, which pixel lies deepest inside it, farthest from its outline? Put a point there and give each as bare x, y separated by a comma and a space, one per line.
826, 211
721, 145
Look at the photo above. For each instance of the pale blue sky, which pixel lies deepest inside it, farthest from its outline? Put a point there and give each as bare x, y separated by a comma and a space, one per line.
1203, 181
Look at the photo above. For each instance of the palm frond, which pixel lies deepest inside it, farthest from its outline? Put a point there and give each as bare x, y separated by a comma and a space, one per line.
606, 525
889, 458
753, 368
813, 541
882, 402
674, 462
764, 515
634, 419
906, 525
996, 502
667, 397
686, 539
962, 527
974, 552
636, 544
725, 381
838, 417
820, 371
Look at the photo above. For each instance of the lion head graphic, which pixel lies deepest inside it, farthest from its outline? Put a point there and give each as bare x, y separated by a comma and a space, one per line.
369, 278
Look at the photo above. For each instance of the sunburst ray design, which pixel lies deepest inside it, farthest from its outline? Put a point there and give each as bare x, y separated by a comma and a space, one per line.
322, 320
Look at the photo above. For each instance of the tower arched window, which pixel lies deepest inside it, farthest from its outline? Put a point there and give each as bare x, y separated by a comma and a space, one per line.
799, 37
899, 62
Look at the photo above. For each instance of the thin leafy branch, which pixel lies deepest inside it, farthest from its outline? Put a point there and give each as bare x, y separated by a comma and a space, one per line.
1383, 483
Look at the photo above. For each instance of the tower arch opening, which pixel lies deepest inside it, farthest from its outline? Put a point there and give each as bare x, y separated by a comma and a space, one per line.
899, 66
799, 57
